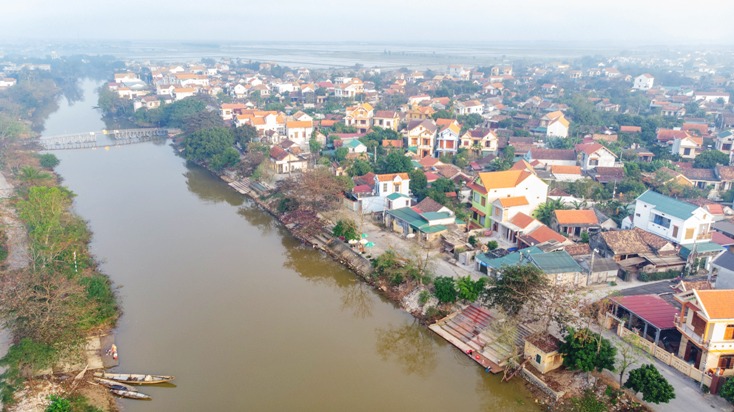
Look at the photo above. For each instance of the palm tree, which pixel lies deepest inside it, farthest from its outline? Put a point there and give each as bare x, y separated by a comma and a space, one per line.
32, 175
544, 212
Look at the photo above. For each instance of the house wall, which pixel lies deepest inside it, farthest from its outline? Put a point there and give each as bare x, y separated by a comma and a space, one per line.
556, 129
603, 158
643, 218
548, 361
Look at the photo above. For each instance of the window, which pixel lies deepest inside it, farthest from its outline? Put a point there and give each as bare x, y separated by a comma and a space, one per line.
662, 221
476, 197
689, 233
686, 152
484, 200
675, 231
729, 332
537, 358
593, 162
384, 187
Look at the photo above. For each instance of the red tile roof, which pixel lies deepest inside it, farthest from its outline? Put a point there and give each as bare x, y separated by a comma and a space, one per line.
650, 308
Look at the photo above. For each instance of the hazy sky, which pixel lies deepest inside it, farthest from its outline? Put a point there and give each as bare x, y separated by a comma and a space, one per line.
629, 22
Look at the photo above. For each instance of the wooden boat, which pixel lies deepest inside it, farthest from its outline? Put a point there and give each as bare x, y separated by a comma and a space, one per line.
108, 383
133, 378
130, 394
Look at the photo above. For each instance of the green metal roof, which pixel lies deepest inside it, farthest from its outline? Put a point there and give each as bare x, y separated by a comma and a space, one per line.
668, 205
415, 220
354, 143
396, 195
555, 262
436, 215
508, 260
704, 247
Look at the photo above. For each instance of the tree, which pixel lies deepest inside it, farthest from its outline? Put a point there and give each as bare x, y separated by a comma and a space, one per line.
418, 183
244, 135
214, 146
584, 350
629, 352
204, 119
727, 390
49, 160
710, 158
359, 168
517, 287
445, 289
314, 146
654, 387
316, 190
347, 229
340, 154
469, 289
11, 128
545, 211
395, 162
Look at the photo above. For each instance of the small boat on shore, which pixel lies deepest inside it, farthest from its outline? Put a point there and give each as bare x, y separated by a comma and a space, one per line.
130, 394
110, 384
133, 378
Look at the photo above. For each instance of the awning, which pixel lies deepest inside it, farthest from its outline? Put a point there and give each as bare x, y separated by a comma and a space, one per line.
477, 211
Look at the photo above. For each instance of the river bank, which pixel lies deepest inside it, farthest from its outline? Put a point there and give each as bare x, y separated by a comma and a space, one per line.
405, 298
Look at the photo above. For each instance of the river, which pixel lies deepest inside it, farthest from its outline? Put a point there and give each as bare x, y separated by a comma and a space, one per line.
215, 292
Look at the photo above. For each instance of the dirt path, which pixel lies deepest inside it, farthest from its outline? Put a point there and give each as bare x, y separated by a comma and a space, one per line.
18, 257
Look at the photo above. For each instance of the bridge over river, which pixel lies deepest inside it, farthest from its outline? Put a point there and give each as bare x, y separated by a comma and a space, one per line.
92, 140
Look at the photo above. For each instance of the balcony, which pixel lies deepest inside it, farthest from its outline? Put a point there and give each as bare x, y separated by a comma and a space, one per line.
690, 333
704, 236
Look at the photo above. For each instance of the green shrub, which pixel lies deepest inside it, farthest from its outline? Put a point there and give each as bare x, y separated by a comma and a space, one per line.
445, 289
727, 390
492, 245
651, 277
100, 293
58, 404
423, 297
26, 354
49, 160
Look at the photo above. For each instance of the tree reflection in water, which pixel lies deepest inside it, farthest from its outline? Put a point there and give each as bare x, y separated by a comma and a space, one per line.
358, 298
410, 345
208, 187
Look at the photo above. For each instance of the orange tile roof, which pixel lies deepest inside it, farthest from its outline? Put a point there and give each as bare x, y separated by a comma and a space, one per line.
521, 220
514, 201
503, 180
523, 164
297, 124
389, 177
565, 217
566, 170
718, 304
544, 234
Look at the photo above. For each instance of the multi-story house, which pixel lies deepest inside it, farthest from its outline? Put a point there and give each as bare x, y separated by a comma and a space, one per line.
360, 117
498, 196
299, 131
706, 323
672, 219
469, 107
595, 155
480, 141
386, 119
447, 139
556, 124
686, 147
643, 82
422, 136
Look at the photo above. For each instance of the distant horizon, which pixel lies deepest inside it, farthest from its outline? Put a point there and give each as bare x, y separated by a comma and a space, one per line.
625, 23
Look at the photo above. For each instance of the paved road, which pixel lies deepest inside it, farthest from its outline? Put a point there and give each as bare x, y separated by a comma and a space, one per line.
386, 240
688, 396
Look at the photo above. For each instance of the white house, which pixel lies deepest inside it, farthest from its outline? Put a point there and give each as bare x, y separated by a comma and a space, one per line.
556, 124
299, 131
595, 155
686, 147
470, 107
711, 96
447, 138
643, 82
672, 219
390, 191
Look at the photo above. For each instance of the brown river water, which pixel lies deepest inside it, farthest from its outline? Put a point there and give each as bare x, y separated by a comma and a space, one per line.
216, 292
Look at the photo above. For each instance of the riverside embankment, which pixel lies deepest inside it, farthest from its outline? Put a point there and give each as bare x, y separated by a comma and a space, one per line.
218, 293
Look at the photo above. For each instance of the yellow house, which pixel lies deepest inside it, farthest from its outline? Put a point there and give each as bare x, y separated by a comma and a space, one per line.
359, 117
706, 323
542, 349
